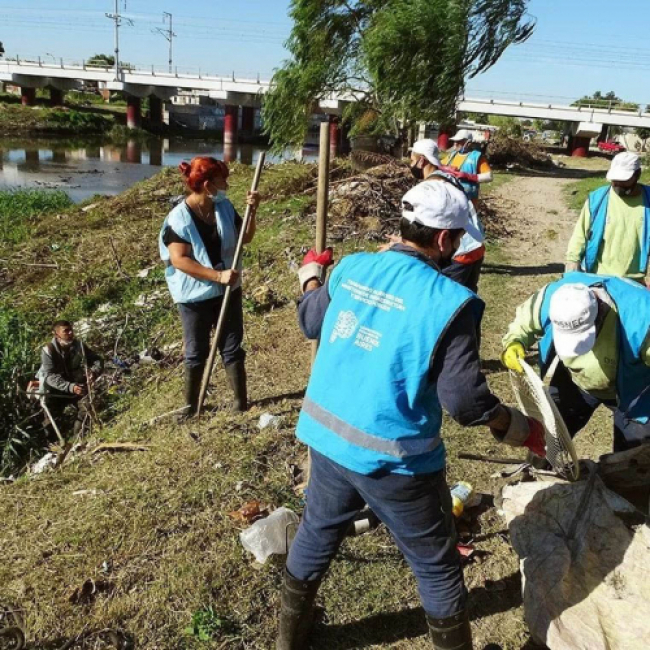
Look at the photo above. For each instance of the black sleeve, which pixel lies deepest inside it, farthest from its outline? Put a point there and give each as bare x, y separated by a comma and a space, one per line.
456, 367
170, 237
311, 311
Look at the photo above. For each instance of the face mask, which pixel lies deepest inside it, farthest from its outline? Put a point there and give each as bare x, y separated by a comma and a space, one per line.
65, 344
623, 191
417, 172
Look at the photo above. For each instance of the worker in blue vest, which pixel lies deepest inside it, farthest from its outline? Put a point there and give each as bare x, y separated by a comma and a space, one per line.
612, 236
397, 345
472, 169
197, 244
599, 328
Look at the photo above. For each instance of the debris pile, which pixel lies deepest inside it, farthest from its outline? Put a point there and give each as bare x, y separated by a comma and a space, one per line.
511, 152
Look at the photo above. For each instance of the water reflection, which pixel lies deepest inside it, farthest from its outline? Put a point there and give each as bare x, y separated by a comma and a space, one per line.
84, 168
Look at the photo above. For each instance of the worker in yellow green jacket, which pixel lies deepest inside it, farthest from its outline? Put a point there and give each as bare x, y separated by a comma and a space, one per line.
599, 327
612, 236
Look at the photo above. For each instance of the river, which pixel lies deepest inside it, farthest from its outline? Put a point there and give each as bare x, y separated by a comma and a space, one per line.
83, 168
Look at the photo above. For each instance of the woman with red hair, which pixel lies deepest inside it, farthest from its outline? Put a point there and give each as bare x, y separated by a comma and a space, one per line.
197, 244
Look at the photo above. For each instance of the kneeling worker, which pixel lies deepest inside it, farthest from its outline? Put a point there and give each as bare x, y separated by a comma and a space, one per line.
397, 345
599, 328
67, 365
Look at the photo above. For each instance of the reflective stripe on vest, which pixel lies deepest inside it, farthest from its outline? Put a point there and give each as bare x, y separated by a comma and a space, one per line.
598, 206
397, 448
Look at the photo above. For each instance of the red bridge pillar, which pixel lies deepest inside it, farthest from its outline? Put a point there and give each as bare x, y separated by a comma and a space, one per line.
444, 133
133, 112
579, 147
248, 120
56, 97
230, 124
27, 96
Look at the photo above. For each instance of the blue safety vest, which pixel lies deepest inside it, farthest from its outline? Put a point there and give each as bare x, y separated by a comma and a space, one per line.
183, 287
633, 307
469, 166
598, 204
370, 405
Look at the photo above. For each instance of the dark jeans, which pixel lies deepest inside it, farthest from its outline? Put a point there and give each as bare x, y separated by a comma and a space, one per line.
199, 318
577, 406
416, 510
69, 412
465, 274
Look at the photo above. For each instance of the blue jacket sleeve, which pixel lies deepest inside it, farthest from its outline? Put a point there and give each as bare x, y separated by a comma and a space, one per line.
311, 311
456, 367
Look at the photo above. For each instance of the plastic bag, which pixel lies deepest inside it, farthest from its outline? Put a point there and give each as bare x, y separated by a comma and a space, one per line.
272, 535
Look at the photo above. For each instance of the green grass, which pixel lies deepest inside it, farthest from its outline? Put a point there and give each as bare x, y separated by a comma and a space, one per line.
19, 209
40, 120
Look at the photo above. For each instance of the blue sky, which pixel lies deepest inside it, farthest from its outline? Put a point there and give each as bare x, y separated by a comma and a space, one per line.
579, 46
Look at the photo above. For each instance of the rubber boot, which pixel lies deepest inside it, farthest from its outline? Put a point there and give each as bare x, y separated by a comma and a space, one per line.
296, 612
451, 633
193, 379
236, 373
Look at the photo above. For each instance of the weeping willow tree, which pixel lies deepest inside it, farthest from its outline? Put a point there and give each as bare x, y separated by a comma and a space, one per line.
400, 60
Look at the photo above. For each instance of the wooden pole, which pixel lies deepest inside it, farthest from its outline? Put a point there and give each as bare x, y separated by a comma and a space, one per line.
226, 297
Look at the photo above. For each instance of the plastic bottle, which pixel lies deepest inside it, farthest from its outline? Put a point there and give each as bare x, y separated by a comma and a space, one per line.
461, 493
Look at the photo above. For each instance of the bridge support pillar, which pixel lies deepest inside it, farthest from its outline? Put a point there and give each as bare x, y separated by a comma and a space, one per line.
27, 96
248, 121
155, 110
56, 97
134, 152
133, 112
230, 124
579, 146
335, 135
444, 133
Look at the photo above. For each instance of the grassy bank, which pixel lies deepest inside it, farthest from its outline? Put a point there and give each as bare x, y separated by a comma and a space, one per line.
16, 119
152, 528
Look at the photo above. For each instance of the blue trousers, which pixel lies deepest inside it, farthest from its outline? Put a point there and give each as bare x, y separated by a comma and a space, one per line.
415, 509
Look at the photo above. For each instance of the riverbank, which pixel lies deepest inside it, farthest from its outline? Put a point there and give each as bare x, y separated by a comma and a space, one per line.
39, 120
152, 528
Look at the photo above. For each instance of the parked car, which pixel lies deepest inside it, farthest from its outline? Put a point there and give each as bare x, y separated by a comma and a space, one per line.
611, 147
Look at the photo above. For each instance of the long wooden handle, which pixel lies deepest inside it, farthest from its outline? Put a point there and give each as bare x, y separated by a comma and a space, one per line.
226, 297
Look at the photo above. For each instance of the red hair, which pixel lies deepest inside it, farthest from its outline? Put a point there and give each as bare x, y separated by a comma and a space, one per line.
201, 169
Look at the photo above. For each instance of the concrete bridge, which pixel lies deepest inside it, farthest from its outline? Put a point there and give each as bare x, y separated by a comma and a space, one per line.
234, 93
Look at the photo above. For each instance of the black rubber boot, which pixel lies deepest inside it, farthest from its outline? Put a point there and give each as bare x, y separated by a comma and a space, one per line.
193, 379
296, 613
451, 633
236, 373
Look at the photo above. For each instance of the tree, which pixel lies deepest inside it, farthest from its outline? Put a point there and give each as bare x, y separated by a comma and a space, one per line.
509, 126
405, 60
643, 134
609, 100
101, 60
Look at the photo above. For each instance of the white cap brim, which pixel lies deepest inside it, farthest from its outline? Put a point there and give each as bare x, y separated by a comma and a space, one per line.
570, 344
621, 175
434, 160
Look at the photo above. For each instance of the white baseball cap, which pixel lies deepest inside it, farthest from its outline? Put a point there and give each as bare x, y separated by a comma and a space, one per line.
573, 312
463, 134
438, 204
429, 149
623, 166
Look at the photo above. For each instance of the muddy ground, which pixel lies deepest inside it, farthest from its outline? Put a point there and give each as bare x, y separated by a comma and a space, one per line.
153, 529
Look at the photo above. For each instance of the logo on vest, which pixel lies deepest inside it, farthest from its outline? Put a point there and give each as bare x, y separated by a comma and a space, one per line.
346, 324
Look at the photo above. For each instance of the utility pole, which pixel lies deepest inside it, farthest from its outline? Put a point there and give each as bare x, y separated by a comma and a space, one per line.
167, 33
116, 17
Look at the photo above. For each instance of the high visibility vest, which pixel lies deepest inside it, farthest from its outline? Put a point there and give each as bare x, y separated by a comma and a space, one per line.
598, 204
633, 307
469, 166
370, 405
183, 287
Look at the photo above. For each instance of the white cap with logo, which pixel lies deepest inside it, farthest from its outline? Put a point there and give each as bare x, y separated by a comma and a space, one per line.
463, 134
429, 149
438, 204
623, 166
573, 313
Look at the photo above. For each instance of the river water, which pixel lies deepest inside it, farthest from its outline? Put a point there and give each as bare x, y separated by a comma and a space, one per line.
83, 168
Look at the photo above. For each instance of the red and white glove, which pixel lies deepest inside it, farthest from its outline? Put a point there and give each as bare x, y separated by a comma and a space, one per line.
470, 178
523, 432
314, 266
452, 171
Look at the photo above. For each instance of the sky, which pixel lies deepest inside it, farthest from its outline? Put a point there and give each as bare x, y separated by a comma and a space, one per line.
578, 47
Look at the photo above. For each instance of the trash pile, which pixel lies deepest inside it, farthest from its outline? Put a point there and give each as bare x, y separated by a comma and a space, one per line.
505, 152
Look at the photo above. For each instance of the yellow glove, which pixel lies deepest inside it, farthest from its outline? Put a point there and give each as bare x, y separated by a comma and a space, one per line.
511, 356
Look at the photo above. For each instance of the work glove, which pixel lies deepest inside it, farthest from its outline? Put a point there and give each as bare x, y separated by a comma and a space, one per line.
523, 432
512, 355
470, 178
314, 266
